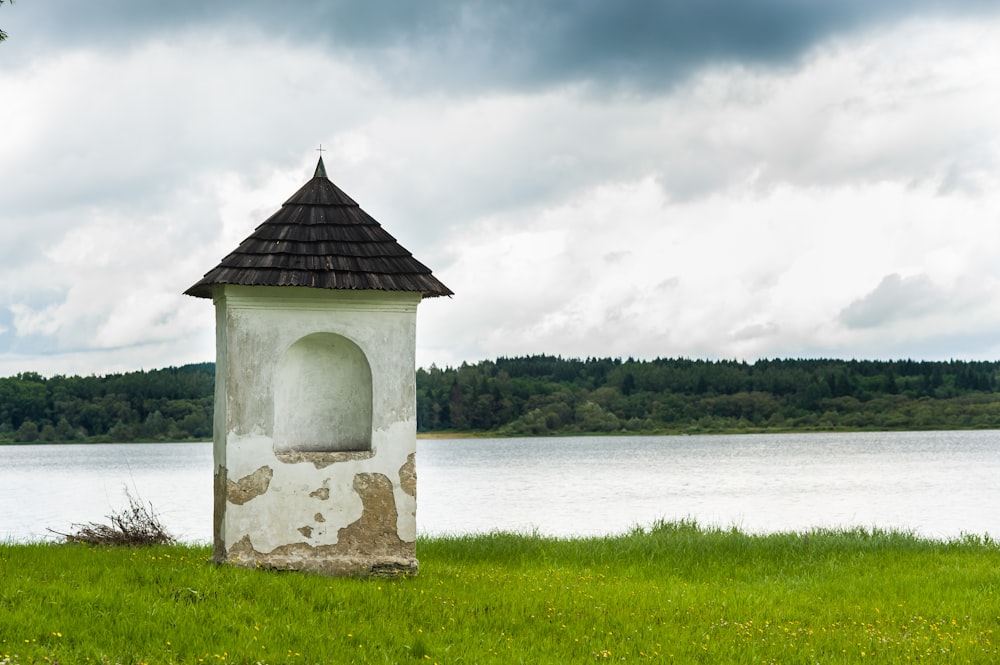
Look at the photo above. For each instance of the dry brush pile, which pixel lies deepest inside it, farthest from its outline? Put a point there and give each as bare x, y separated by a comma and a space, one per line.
135, 525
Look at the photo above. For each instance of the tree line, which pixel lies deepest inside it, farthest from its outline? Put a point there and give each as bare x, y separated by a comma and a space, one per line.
544, 395
541, 395
173, 404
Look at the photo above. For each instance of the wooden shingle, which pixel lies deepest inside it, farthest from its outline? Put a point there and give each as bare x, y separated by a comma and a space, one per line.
321, 238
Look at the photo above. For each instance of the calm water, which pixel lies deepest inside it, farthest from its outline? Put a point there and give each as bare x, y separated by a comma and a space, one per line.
938, 484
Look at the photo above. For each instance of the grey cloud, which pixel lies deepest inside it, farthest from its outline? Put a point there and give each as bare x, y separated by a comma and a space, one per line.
755, 331
668, 284
895, 298
616, 256
487, 44
962, 178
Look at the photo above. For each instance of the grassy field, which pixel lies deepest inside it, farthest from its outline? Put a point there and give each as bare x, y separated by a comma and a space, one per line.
673, 593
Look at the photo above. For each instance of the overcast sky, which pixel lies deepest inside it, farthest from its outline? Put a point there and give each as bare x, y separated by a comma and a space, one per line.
708, 179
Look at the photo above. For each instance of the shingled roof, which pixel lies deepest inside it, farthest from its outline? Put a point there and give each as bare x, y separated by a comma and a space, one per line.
321, 238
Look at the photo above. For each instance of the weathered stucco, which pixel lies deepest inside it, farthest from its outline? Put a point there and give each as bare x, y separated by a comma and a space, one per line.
249, 487
369, 545
408, 475
328, 506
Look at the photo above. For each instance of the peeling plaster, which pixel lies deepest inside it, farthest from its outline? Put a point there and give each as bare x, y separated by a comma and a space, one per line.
367, 546
273, 518
219, 515
323, 460
408, 475
375, 531
323, 493
249, 487
323, 559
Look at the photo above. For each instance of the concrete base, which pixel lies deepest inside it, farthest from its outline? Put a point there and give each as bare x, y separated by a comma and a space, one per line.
324, 560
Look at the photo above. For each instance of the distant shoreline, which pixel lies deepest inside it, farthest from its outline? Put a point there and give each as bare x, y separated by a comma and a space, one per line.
543, 396
448, 435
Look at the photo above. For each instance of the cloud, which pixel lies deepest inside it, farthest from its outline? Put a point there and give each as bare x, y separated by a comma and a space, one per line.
476, 45
894, 299
748, 200
755, 331
743, 274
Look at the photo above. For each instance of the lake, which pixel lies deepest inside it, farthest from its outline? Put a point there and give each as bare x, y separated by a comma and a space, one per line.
937, 484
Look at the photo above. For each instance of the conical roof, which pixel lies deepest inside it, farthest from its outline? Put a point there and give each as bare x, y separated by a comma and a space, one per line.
321, 238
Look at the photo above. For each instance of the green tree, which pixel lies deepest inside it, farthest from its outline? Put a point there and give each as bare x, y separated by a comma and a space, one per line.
590, 417
155, 426
27, 432
122, 432
65, 431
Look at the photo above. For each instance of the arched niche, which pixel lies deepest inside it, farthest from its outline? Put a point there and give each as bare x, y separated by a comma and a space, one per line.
323, 397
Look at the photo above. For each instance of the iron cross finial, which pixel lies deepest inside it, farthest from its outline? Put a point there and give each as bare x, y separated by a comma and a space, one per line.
321, 150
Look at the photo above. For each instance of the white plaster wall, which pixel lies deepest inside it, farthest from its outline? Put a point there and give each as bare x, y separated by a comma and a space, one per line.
323, 396
274, 518
256, 326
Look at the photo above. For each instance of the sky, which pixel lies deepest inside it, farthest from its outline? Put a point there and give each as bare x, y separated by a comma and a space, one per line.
712, 179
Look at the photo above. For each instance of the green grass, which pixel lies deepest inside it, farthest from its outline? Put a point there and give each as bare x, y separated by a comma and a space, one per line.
673, 593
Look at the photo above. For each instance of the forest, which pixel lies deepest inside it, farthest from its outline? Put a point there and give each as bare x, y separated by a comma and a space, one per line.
173, 404
548, 395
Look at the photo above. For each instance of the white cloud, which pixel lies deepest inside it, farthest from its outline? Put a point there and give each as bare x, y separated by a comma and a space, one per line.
750, 212
742, 274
